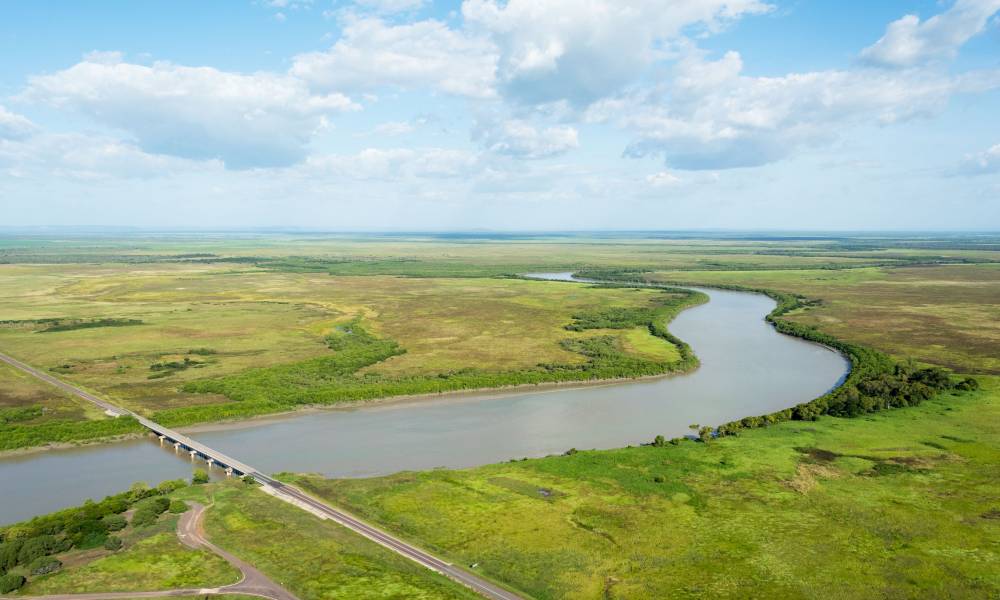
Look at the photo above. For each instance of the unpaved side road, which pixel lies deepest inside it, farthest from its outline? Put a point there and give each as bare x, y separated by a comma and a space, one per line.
191, 532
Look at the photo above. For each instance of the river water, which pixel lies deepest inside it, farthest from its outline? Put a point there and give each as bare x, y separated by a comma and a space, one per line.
747, 368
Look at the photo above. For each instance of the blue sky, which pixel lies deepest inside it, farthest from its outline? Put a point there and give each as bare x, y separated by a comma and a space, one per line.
491, 114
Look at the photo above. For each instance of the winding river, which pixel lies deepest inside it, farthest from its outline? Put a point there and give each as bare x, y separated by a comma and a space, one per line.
747, 368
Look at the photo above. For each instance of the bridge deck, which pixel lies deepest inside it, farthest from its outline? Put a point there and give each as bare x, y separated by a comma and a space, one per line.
197, 446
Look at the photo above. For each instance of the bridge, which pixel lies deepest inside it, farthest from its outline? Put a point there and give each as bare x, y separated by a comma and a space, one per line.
280, 490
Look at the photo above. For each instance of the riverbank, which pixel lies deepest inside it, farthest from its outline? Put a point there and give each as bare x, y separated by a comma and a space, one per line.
893, 504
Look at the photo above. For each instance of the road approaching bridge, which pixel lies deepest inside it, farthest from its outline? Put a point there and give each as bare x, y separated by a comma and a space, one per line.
280, 490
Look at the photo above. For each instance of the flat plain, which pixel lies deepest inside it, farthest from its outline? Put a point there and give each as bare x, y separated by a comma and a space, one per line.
900, 503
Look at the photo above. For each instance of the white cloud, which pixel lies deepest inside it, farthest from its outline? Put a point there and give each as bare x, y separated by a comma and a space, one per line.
392, 128
246, 121
14, 126
908, 41
523, 140
983, 163
393, 164
90, 157
710, 115
426, 54
663, 179
579, 51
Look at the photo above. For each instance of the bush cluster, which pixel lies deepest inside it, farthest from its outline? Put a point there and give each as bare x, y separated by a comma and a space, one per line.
875, 381
31, 545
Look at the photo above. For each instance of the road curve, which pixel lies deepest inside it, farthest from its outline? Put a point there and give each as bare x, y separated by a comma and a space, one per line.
286, 492
191, 533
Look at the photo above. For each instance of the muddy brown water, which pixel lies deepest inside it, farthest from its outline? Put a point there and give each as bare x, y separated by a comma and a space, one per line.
747, 368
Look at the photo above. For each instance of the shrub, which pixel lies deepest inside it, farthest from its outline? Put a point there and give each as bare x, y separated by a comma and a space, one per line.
11, 582
8, 554
659, 441
249, 480
659, 479
113, 543
44, 565
36, 547
199, 476
171, 485
114, 522
144, 516
178, 506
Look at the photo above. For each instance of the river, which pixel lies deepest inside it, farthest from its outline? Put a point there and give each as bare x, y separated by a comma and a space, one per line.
747, 368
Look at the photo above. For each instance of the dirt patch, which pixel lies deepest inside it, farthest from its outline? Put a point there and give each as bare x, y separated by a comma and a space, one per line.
808, 475
818, 454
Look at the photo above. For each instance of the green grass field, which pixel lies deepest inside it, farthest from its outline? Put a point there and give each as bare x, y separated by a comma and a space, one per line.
202, 323
948, 316
895, 504
898, 504
312, 558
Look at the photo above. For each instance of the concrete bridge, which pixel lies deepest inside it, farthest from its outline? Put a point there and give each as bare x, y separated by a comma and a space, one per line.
280, 490
196, 449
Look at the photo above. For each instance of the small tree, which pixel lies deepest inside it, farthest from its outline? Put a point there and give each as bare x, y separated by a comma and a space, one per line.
44, 565
249, 480
705, 434
178, 506
114, 522
113, 543
11, 582
199, 476
659, 441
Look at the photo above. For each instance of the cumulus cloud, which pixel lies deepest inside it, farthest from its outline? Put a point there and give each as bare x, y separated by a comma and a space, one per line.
14, 126
910, 41
983, 163
426, 54
709, 115
247, 121
90, 157
577, 51
522, 140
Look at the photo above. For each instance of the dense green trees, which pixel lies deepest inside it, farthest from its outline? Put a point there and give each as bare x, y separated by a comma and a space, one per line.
11, 582
30, 546
15, 435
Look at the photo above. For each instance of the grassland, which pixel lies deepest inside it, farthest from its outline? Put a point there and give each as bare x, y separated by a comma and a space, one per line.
948, 316
156, 562
211, 323
898, 504
312, 558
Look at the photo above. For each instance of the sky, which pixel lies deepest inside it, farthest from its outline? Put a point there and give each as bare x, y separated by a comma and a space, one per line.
383, 115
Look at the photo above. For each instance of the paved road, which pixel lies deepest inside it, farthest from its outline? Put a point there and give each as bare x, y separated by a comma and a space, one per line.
285, 492
478, 584
72, 389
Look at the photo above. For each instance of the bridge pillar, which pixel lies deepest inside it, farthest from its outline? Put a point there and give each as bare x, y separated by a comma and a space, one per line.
193, 453
177, 447
162, 437
210, 461
229, 471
